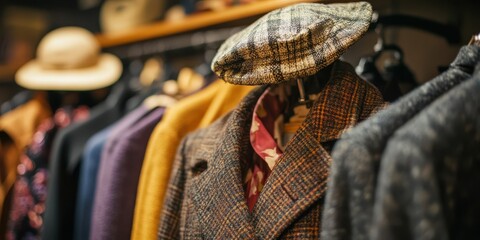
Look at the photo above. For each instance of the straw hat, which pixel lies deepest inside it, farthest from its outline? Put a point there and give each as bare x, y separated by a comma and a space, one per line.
291, 43
69, 58
120, 16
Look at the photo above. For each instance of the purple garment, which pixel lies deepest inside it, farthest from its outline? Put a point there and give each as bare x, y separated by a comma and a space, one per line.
119, 173
123, 125
89, 173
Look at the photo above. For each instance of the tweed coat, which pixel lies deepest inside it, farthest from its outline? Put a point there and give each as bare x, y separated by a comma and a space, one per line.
205, 198
429, 178
351, 189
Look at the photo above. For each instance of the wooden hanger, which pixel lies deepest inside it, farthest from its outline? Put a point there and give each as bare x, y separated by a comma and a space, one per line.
475, 40
152, 69
188, 81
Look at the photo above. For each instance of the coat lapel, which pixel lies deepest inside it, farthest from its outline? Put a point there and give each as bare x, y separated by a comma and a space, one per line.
299, 179
217, 194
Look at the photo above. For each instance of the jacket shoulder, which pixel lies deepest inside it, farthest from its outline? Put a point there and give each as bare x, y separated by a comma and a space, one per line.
199, 146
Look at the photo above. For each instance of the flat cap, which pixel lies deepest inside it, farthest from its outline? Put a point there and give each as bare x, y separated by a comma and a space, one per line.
292, 42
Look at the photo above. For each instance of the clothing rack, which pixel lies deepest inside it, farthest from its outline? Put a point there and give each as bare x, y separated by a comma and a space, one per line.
179, 42
446, 31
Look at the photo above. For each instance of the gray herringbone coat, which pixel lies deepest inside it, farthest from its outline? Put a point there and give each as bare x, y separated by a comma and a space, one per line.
350, 198
429, 177
205, 198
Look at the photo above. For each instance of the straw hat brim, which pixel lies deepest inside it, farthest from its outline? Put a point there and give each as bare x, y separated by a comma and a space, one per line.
106, 72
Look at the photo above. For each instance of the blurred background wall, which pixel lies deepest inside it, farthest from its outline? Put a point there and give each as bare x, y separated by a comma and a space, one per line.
24, 22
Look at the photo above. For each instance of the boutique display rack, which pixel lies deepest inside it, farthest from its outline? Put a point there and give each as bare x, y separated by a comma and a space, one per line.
194, 22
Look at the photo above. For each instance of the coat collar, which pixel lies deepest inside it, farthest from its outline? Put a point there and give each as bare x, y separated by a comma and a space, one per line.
297, 181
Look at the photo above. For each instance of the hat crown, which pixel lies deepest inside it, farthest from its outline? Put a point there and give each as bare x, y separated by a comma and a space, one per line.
291, 43
118, 16
68, 48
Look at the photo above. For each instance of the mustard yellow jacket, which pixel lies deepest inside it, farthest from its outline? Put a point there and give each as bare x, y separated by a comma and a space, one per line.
191, 113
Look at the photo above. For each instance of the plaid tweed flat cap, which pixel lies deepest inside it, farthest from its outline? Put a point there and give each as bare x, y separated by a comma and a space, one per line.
292, 42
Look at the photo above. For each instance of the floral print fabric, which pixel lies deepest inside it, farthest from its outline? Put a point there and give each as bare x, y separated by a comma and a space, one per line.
30, 189
266, 141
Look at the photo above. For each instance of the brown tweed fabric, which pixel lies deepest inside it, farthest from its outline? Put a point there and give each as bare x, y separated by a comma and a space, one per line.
205, 197
292, 42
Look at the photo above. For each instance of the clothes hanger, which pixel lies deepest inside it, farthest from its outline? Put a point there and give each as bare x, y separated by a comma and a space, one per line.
314, 84
188, 81
448, 32
153, 69
305, 97
380, 22
397, 74
396, 79
148, 78
475, 40
160, 92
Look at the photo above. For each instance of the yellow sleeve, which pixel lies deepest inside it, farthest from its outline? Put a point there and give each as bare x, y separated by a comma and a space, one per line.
195, 111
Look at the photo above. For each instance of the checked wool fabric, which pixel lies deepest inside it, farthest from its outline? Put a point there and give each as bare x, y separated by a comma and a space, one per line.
205, 197
292, 42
